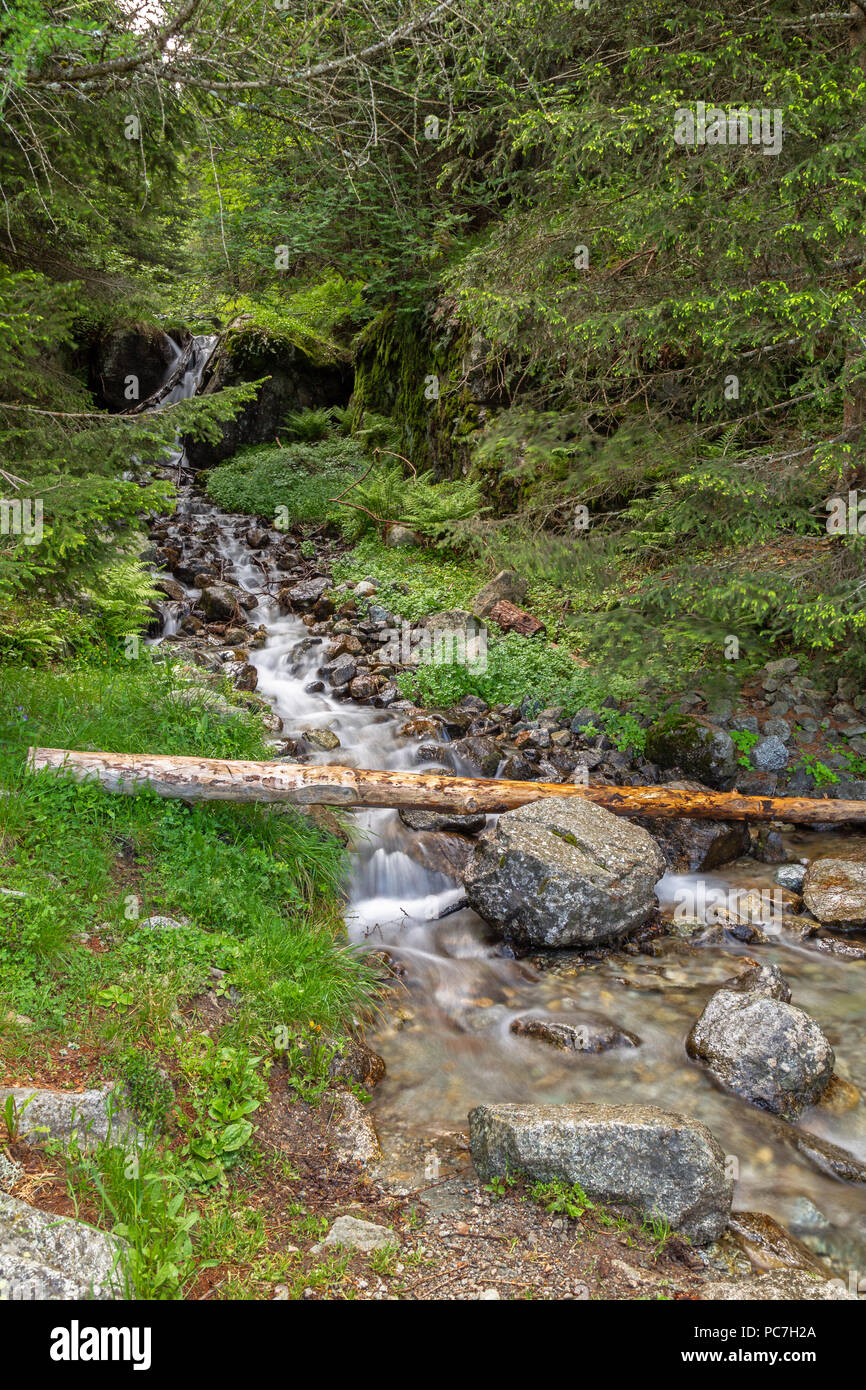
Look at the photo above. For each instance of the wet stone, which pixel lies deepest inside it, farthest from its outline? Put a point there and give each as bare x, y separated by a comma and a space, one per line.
591, 1033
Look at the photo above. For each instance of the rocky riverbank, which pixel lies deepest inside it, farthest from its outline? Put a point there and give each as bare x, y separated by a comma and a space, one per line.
750, 1037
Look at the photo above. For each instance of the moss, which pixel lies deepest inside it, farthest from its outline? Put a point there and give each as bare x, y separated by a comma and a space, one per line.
679, 741
394, 355
252, 348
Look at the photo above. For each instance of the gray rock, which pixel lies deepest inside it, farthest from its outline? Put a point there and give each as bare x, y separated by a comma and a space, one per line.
563, 872
325, 739
11, 1172
589, 1033
47, 1257
306, 595
791, 876
826, 1157
745, 723
700, 751
770, 754
691, 845
441, 820
356, 1234
453, 619
783, 1284
506, 585
352, 1136
767, 980
218, 603
777, 728
768, 846
480, 754
583, 719
90, 1117
834, 891
655, 1161
366, 588
769, 1052
398, 537
341, 671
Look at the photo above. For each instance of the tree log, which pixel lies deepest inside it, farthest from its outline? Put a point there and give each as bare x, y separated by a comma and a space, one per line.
212, 779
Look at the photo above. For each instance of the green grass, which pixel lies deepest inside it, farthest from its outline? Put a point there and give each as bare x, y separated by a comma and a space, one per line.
257, 892
301, 477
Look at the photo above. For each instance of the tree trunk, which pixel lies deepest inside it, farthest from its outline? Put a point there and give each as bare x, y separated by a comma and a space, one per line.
212, 779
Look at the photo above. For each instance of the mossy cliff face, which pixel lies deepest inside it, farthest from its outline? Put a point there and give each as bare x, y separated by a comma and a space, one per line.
401, 361
398, 356
298, 378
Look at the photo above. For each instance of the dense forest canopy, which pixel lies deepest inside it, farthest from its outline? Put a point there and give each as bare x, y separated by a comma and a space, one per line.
669, 332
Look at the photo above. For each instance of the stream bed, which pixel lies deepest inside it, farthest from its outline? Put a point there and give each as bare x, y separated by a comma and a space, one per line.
445, 1035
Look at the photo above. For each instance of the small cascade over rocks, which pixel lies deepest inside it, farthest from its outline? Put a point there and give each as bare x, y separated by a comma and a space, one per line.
472, 1022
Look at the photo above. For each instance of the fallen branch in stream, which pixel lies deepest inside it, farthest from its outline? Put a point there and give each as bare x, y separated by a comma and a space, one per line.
214, 779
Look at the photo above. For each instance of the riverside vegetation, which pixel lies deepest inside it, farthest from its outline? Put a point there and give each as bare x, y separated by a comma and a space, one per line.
483, 320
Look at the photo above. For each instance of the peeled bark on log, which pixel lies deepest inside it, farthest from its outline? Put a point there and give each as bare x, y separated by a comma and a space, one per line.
213, 779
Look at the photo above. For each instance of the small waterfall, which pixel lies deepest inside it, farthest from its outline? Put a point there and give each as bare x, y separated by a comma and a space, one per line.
447, 1041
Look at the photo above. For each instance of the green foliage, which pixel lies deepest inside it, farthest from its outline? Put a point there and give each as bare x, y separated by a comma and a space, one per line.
228, 1086
744, 742
73, 495
308, 1057
308, 425
822, 775
432, 509
148, 1089
304, 478
562, 1199
259, 888
148, 1207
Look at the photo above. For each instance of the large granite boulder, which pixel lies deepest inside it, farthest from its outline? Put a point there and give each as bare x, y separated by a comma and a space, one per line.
764, 1049
52, 1258
564, 872
834, 890
655, 1161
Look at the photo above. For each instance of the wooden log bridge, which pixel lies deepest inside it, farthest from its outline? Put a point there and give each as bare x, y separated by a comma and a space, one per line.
214, 779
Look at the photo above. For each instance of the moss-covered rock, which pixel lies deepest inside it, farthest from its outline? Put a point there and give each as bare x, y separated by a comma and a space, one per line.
417, 368
296, 377
697, 750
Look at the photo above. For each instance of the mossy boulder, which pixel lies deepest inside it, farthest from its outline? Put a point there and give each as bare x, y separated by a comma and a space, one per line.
699, 751
294, 377
400, 361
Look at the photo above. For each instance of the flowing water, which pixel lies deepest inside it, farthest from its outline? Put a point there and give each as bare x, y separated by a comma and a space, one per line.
445, 1037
